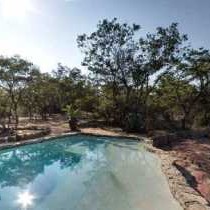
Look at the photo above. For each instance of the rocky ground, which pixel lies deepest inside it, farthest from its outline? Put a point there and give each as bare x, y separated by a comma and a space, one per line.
181, 179
186, 163
192, 158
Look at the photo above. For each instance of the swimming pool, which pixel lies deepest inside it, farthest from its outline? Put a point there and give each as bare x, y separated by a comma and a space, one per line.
83, 172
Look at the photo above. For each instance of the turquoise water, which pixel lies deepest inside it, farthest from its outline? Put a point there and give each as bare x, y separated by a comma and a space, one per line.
83, 173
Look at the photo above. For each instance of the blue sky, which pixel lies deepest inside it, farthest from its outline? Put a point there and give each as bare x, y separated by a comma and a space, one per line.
45, 31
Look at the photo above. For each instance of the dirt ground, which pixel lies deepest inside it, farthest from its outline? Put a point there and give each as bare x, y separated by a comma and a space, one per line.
60, 125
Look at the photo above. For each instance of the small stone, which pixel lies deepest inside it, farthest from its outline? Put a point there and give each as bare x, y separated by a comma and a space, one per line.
196, 207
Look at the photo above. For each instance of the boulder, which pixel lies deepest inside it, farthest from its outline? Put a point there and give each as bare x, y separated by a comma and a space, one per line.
163, 141
203, 183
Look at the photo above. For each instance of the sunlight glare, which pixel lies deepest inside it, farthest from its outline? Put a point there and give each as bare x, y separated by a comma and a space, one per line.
25, 199
16, 8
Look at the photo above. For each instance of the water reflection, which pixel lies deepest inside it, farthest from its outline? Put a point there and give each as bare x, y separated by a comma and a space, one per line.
21, 166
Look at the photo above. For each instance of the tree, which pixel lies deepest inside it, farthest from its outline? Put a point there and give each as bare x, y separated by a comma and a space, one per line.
174, 98
160, 52
127, 65
44, 94
4, 111
195, 68
109, 53
15, 74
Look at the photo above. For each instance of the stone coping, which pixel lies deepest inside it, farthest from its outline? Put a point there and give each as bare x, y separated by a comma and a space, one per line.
33, 141
28, 134
188, 197
131, 137
51, 137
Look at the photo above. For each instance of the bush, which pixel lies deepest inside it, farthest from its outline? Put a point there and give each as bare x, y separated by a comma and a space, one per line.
134, 122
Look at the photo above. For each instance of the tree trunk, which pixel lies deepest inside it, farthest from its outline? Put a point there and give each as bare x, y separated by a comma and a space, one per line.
147, 121
9, 117
16, 116
16, 120
184, 123
184, 120
114, 95
30, 113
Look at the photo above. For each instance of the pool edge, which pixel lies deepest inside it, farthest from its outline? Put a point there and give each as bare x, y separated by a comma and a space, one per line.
9, 145
36, 140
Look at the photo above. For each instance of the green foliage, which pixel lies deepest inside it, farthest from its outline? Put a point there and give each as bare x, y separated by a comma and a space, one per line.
4, 111
134, 122
71, 111
125, 64
15, 74
109, 49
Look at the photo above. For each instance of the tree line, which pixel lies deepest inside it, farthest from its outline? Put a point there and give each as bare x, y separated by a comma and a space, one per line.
138, 82
25, 91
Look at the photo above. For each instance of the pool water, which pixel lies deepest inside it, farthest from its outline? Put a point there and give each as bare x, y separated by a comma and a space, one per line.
83, 173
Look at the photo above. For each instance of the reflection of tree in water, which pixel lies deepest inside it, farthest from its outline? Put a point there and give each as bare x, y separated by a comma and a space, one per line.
21, 165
